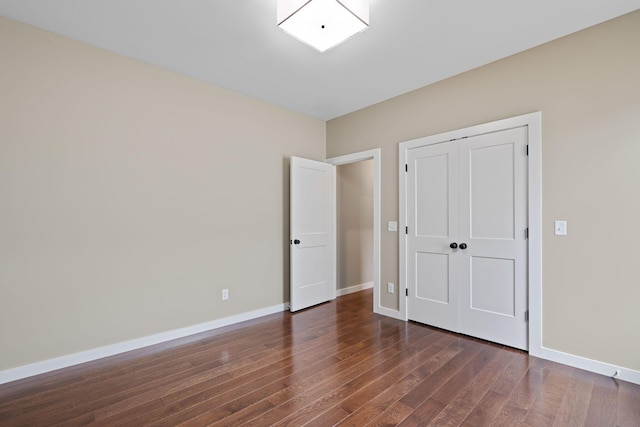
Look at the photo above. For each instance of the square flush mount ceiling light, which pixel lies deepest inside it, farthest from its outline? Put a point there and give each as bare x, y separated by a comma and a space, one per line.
323, 24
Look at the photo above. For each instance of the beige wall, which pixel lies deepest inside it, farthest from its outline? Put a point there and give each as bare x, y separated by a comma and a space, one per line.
130, 196
355, 223
587, 87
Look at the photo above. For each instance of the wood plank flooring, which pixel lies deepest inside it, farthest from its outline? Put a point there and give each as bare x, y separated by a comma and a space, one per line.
335, 364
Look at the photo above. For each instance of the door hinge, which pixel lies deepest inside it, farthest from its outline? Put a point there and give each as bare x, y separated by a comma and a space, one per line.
406, 291
406, 167
526, 316
406, 230
526, 233
527, 149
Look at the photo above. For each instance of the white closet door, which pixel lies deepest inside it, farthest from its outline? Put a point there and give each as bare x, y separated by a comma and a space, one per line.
432, 273
466, 242
493, 220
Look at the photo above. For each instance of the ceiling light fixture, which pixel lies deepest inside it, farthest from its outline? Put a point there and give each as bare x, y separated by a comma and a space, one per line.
323, 24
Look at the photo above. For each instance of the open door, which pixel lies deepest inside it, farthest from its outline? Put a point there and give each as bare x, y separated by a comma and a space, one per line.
312, 244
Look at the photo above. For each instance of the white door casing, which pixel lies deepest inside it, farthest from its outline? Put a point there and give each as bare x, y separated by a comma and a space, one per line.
466, 213
312, 233
376, 156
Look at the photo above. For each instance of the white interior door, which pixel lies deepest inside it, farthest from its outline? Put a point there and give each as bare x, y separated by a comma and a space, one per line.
493, 222
312, 234
432, 222
466, 244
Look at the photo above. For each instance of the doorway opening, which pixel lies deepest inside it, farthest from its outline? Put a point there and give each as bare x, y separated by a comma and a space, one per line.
354, 220
358, 223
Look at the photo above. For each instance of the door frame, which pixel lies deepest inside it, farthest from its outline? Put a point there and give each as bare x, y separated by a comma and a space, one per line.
533, 122
375, 155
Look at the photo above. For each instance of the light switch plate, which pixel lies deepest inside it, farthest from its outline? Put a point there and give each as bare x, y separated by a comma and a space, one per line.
392, 226
560, 228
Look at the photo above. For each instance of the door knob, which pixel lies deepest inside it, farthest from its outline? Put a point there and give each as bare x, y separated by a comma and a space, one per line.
453, 245
463, 246
296, 242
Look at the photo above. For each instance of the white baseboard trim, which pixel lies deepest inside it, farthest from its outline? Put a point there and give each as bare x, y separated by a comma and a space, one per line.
13, 374
396, 314
44, 366
355, 288
602, 368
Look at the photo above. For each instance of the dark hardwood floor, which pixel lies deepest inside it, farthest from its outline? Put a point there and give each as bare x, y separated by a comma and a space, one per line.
335, 364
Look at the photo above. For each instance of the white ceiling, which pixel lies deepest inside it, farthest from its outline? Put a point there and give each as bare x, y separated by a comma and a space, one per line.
236, 43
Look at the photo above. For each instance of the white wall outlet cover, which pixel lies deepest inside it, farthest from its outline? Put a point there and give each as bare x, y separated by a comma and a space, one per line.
390, 288
560, 228
392, 226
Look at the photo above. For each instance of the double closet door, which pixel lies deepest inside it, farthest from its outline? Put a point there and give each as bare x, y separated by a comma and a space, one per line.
467, 236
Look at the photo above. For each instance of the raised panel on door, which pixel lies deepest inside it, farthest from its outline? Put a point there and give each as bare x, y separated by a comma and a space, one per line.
493, 267
312, 245
432, 273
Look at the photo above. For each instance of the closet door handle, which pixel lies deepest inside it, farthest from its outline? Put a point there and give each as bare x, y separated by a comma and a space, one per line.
296, 242
463, 246
453, 245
